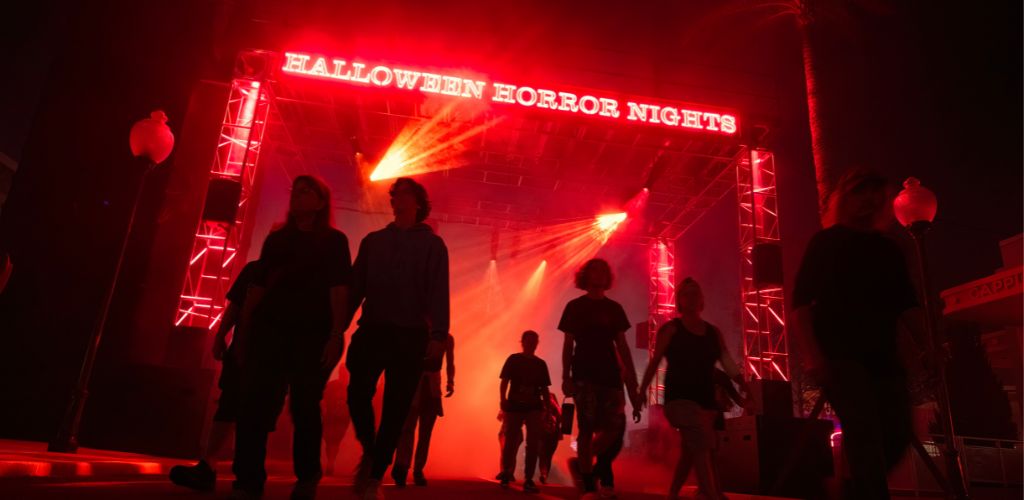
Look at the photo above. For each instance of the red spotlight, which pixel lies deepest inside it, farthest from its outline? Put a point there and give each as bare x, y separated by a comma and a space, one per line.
638, 202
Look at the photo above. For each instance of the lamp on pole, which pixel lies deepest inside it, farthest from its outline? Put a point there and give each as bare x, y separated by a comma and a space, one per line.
915, 207
152, 140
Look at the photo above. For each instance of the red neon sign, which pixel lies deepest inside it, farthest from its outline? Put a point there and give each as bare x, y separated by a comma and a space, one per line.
634, 110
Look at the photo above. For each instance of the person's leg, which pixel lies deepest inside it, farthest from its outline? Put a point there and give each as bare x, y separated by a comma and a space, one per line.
701, 452
850, 392
549, 443
680, 415
512, 428
609, 441
896, 413
428, 417
307, 386
534, 421
403, 370
407, 440
587, 410
365, 368
220, 433
264, 389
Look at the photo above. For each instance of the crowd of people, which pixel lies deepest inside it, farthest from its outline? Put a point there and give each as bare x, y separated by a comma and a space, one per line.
288, 311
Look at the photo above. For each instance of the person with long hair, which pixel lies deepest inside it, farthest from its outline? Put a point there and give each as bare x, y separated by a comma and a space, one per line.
596, 361
401, 281
291, 337
852, 293
692, 347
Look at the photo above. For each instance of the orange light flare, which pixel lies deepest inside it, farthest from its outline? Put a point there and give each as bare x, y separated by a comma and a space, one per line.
606, 224
436, 143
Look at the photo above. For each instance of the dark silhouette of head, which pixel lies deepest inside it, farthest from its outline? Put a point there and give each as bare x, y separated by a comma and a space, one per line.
407, 195
689, 297
530, 341
595, 274
310, 196
862, 199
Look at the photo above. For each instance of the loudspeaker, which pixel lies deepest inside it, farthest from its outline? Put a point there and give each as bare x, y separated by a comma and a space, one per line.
151, 409
773, 398
767, 259
222, 200
755, 451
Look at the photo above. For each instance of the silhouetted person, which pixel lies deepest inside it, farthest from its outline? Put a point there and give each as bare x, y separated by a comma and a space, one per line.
852, 290
692, 347
551, 434
292, 336
336, 419
595, 356
401, 280
203, 476
426, 407
524, 392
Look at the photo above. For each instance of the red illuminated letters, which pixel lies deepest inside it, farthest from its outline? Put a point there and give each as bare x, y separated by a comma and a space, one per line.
504, 93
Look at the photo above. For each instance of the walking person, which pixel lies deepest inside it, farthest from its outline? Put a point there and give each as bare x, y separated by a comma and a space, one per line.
692, 347
551, 434
852, 292
203, 476
291, 337
401, 281
524, 392
336, 419
596, 361
426, 408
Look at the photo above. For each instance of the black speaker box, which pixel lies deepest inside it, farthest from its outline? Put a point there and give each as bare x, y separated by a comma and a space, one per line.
222, 200
755, 452
773, 398
767, 259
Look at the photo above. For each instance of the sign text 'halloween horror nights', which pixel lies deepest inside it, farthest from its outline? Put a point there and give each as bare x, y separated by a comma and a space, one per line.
631, 110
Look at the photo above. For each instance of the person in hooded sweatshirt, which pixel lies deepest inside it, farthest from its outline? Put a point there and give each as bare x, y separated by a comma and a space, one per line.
400, 277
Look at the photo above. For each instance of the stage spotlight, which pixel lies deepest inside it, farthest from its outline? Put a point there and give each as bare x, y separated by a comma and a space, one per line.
607, 223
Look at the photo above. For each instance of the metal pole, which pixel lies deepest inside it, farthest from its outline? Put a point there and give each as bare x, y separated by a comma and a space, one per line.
954, 460
66, 440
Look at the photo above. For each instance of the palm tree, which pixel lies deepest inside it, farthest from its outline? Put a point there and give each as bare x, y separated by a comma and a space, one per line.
834, 64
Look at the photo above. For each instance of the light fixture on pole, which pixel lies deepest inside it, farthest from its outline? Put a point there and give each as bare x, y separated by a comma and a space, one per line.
915, 208
151, 140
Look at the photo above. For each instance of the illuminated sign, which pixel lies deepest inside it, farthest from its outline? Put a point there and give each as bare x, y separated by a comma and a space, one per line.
631, 110
1001, 285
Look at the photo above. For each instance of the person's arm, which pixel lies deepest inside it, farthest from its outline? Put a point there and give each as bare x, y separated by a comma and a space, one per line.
338, 270
568, 387
228, 321
504, 392
359, 275
439, 312
661, 342
808, 282
449, 355
626, 358
240, 339
729, 365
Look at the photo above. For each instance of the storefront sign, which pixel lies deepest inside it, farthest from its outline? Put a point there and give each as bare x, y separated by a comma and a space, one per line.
1000, 285
629, 110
